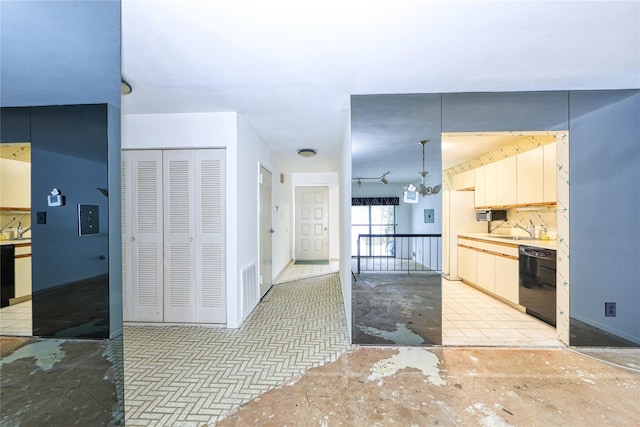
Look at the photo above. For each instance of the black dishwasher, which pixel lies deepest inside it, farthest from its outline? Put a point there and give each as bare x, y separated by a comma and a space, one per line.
537, 291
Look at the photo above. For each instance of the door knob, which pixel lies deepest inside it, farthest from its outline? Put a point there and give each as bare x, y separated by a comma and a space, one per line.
272, 231
133, 238
191, 239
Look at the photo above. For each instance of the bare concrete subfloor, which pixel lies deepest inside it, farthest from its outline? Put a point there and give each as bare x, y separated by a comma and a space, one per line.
452, 386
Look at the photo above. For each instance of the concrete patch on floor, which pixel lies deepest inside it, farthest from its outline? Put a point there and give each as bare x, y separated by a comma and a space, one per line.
401, 335
46, 354
510, 387
488, 417
416, 358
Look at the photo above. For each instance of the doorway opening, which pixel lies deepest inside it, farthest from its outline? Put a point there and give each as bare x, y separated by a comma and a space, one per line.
15, 221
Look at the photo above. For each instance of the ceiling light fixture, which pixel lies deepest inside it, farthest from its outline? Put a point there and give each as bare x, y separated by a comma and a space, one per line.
422, 189
306, 152
125, 87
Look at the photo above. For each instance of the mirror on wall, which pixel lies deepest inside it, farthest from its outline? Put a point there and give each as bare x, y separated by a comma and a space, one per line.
396, 217
60, 92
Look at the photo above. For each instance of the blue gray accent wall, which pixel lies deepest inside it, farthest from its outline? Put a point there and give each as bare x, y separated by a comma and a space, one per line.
605, 201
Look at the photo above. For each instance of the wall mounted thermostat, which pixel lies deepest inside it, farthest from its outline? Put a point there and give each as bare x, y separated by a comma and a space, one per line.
55, 198
88, 220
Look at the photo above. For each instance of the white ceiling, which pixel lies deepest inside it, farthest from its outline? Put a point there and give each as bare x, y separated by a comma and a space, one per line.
290, 67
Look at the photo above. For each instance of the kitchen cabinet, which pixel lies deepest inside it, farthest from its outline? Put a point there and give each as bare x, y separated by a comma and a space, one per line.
486, 271
490, 189
529, 178
506, 187
464, 180
15, 184
549, 178
506, 278
472, 265
480, 189
173, 236
462, 262
22, 270
490, 266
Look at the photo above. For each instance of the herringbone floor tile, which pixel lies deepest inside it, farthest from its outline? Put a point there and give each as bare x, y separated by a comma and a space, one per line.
191, 376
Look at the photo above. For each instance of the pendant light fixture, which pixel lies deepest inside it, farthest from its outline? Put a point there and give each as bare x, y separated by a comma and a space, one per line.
422, 189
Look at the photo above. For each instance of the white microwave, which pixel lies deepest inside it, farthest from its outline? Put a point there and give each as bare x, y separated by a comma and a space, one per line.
491, 215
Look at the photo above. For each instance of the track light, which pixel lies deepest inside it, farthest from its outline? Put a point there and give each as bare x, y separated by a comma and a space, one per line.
382, 179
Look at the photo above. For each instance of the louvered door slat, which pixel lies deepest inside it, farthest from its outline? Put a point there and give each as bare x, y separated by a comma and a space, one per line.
144, 235
210, 283
179, 236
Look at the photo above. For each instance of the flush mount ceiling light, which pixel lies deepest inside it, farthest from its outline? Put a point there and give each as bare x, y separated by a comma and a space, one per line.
422, 189
381, 178
306, 152
125, 87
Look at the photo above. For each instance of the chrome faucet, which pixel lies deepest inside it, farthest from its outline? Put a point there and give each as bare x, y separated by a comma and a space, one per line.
21, 231
531, 230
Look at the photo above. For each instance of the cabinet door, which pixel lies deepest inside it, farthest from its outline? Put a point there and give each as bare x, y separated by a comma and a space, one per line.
506, 189
507, 278
457, 181
486, 271
472, 265
490, 189
179, 236
142, 235
479, 187
15, 184
550, 192
462, 262
210, 243
529, 177
468, 179
22, 272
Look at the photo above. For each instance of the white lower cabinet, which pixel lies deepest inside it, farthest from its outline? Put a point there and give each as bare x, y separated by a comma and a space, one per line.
173, 236
462, 262
486, 271
493, 268
506, 278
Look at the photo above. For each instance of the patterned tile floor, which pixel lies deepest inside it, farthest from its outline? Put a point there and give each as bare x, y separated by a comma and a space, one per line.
191, 376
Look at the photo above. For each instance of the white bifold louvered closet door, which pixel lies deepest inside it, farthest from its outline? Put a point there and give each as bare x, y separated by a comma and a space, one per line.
191, 227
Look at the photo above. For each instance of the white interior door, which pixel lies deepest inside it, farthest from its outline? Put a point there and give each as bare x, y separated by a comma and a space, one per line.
210, 239
312, 223
266, 231
179, 236
143, 236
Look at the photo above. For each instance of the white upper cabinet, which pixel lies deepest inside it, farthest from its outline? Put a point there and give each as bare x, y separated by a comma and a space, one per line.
480, 189
15, 182
529, 177
550, 189
464, 180
506, 188
490, 186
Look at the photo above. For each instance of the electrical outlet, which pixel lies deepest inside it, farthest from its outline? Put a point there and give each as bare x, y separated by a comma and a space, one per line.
610, 309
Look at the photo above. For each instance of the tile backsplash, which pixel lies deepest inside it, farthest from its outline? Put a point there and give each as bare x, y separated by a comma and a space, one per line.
543, 216
7, 221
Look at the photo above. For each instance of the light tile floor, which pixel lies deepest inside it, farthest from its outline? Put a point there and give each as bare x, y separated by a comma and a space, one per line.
471, 317
296, 272
15, 320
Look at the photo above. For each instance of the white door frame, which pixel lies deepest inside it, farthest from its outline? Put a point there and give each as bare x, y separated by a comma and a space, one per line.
264, 232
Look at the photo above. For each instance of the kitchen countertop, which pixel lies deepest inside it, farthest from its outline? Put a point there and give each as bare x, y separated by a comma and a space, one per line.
15, 241
539, 243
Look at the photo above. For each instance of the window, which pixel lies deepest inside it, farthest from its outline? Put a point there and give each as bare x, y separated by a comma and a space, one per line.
373, 219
